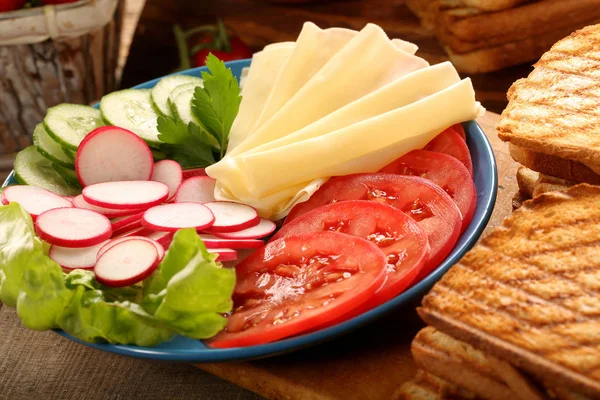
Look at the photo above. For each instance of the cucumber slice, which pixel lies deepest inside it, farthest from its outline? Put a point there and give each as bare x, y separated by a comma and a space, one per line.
158, 155
68, 124
31, 168
182, 107
164, 87
132, 109
68, 175
49, 148
182, 88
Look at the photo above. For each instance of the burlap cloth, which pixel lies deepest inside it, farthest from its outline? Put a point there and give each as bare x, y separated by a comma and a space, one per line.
44, 365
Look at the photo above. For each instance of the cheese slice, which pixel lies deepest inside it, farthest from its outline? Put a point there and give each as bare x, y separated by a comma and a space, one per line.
368, 62
408, 89
359, 147
403, 45
257, 86
314, 48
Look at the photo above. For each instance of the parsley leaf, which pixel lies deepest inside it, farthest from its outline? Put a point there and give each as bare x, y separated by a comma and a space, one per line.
217, 103
189, 145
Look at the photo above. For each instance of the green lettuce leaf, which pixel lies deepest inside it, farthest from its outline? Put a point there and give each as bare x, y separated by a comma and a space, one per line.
190, 291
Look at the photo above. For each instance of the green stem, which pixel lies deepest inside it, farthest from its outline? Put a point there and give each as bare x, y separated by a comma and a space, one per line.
182, 48
200, 29
223, 36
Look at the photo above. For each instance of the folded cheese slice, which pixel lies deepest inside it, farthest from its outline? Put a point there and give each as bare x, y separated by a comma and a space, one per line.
365, 146
403, 45
314, 48
266, 66
369, 61
404, 91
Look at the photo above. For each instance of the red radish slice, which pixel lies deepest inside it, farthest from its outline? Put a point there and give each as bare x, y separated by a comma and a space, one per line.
232, 217
79, 202
214, 242
171, 217
70, 198
125, 221
164, 238
110, 154
168, 172
126, 195
126, 263
72, 227
225, 254
140, 231
33, 199
127, 228
200, 189
189, 173
76, 258
264, 228
111, 243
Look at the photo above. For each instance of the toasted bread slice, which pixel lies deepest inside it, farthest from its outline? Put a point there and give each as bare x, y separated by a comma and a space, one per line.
554, 111
569, 170
528, 293
493, 5
426, 386
547, 183
527, 179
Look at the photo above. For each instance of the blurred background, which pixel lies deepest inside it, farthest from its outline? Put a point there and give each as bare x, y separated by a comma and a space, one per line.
54, 51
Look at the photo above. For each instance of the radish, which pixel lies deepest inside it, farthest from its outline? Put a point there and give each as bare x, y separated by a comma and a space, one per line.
168, 172
79, 202
127, 228
171, 217
225, 254
214, 242
264, 228
199, 189
34, 200
189, 173
76, 258
111, 243
126, 221
70, 198
139, 231
72, 227
164, 238
109, 154
126, 194
231, 217
126, 263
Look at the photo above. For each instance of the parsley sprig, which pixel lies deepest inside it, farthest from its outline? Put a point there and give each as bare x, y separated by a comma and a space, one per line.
215, 106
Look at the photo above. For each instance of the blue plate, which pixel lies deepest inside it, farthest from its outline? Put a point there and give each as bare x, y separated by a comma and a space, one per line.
189, 350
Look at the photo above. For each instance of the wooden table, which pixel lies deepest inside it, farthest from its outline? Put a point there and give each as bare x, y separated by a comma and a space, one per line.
370, 364
259, 22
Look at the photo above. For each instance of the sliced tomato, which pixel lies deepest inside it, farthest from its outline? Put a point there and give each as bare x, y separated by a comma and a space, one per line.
444, 170
421, 199
449, 142
402, 240
297, 283
458, 128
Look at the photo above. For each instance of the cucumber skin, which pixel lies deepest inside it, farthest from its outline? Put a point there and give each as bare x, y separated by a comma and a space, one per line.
59, 140
68, 175
53, 159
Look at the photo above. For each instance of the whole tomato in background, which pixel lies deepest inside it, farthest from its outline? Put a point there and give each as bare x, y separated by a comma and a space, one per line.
11, 5
196, 44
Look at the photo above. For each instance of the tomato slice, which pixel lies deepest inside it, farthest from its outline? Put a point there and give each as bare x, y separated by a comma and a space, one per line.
458, 128
449, 142
444, 170
419, 198
402, 240
297, 283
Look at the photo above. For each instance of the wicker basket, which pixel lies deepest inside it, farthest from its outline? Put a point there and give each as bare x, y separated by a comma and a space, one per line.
51, 55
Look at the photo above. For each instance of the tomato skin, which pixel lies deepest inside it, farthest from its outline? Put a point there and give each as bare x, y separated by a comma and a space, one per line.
458, 128
239, 50
445, 171
419, 198
449, 142
404, 243
11, 5
297, 283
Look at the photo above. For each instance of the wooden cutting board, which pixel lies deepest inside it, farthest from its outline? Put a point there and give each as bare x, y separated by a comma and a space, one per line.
371, 363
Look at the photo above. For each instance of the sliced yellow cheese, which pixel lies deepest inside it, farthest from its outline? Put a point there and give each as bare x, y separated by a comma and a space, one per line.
368, 62
314, 48
403, 45
366, 146
401, 92
258, 84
